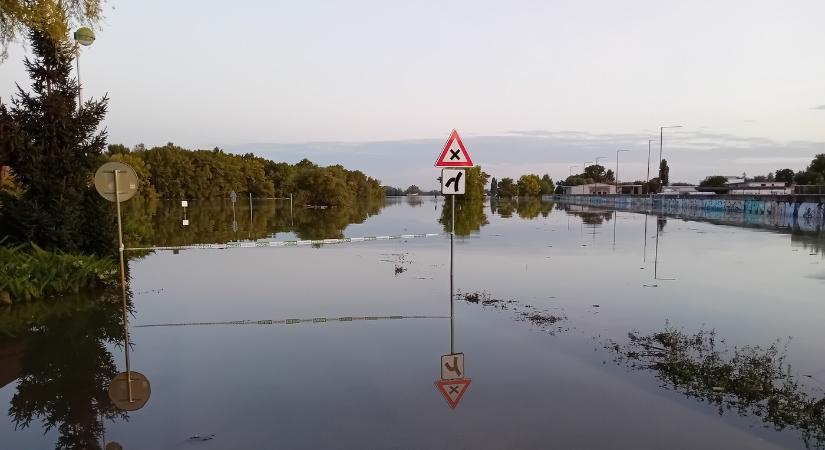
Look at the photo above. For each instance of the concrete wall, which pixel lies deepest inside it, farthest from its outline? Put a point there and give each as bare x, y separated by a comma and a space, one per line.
805, 208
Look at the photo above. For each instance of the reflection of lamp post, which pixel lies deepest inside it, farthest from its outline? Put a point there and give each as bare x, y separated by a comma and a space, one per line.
617, 169
661, 136
83, 36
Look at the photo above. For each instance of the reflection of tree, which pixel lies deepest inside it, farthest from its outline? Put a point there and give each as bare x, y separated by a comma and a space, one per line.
589, 216
210, 221
469, 215
750, 380
531, 207
66, 371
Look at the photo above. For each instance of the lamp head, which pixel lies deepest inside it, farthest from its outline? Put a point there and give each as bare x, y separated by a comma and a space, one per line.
84, 36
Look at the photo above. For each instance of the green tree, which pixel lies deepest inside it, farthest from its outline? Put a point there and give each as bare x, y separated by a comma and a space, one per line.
529, 185
714, 181
598, 173
506, 188
818, 164
413, 189
547, 186
785, 175
808, 178
494, 188
664, 173
54, 147
469, 214
49, 17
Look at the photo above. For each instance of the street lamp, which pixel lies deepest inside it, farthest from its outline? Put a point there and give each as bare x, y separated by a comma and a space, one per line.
647, 182
600, 157
83, 36
617, 169
661, 135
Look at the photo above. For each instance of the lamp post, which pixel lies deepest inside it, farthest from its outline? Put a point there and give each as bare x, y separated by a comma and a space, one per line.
600, 157
571, 170
617, 169
661, 136
83, 36
647, 182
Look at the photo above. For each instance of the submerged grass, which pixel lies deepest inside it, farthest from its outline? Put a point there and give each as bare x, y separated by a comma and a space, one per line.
750, 380
27, 273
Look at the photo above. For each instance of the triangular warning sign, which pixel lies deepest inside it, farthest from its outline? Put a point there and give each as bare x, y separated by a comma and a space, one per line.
454, 153
453, 390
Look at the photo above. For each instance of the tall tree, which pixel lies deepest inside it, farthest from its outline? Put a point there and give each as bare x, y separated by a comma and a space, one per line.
53, 147
506, 188
785, 175
664, 173
529, 185
547, 186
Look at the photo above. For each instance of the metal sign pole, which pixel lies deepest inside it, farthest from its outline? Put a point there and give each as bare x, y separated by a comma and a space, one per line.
452, 297
123, 290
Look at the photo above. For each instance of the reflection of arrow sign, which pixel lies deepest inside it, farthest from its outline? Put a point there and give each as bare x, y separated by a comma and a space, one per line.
453, 390
454, 153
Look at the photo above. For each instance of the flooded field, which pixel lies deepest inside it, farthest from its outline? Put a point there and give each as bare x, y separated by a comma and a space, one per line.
581, 328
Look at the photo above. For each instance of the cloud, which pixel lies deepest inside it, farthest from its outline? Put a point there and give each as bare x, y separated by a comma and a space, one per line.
821, 107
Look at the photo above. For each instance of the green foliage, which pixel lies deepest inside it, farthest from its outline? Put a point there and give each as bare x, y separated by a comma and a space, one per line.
808, 178
28, 273
714, 181
547, 185
469, 216
748, 379
413, 189
176, 173
529, 185
507, 188
785, 175
50, 17
664, 173
53, 150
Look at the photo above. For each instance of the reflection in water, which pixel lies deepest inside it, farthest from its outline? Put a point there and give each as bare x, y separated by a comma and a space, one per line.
752, 381
588, 215
66, 369
152, 222
525, 207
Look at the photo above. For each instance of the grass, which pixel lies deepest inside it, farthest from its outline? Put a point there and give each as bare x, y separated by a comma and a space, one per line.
29, 273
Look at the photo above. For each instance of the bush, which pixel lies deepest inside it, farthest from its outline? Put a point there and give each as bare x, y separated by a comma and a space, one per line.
27, 272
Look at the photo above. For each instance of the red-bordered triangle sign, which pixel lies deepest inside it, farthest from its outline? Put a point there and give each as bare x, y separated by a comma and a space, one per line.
454, 153
453, 390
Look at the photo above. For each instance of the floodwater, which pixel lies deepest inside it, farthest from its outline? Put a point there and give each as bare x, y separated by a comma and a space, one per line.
568, 318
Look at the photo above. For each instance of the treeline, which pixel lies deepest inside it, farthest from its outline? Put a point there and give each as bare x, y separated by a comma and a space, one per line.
529, 185
814, 174
172, 172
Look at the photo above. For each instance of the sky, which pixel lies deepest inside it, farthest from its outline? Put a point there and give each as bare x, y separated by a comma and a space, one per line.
532, 86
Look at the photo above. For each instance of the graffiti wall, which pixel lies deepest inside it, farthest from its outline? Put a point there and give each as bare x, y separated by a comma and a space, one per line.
810, 210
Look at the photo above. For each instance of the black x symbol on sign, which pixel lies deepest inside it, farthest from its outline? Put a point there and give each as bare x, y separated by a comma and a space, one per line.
453, 389
454, 155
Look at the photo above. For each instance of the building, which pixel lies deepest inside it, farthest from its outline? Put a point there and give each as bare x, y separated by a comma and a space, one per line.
758, 188
590, 189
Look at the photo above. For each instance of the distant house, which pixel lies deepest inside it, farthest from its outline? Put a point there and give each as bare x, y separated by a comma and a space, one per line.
758, 188
590, 189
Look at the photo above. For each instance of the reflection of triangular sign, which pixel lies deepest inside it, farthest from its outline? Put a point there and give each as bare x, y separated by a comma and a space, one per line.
454, 153
453, 390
